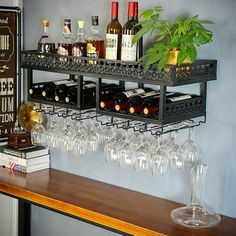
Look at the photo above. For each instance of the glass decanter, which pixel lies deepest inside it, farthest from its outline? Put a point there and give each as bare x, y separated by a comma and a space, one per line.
196, 215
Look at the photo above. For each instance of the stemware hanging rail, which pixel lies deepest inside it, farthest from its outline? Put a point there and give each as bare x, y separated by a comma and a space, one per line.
119, 123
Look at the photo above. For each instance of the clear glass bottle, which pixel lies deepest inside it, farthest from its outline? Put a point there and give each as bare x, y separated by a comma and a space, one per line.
80, 44
95, 42
196, 215
65, 44
113, 35
45, 43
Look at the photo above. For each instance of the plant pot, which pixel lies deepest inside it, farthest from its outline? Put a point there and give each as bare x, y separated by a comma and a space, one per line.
173, 57
173, 60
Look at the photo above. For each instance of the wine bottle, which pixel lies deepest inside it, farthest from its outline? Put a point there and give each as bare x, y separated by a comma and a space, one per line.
71, 94
121, 99
45, 43
107, 101
79, 47
151, 105
113, 35
36, 90
48, 91
62, 88
65, 44
129, 51
136, 103
95, 42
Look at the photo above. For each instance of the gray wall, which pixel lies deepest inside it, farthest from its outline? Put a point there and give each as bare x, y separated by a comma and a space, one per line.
216, 138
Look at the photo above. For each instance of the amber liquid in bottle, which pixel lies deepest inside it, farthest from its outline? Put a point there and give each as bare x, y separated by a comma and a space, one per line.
113, 35
95, 43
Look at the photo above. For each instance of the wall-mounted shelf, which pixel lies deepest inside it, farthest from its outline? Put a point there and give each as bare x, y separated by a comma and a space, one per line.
200, 72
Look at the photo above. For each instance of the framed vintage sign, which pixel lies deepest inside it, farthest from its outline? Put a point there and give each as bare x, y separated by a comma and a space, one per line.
10, 81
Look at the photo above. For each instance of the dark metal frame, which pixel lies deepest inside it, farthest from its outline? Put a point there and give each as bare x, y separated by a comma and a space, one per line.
199, 72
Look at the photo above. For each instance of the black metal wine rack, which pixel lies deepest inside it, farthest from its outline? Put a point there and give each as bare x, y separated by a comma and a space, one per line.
200, 72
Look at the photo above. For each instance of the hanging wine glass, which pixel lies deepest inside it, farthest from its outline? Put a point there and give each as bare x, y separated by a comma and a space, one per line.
195, 215
38, 134
159, 160
142, 156
175, 155
189, 150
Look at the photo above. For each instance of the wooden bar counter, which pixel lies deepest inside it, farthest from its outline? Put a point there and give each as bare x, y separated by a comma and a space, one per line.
105, 205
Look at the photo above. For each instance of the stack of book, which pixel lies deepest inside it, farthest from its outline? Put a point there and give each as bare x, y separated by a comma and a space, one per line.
28, 159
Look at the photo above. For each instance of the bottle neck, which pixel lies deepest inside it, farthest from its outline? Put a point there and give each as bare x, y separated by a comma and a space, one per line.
45, 31
67, 29
136, 12
114, 11
131, 11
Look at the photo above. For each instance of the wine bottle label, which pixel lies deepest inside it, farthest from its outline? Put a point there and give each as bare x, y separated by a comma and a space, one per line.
111, 46
66, 82
87, 86
133, 92
128, 51
179, 98
149, 94
91, 51
62, 51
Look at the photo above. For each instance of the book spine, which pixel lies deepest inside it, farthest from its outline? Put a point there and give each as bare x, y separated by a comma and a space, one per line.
13, 159
14, 153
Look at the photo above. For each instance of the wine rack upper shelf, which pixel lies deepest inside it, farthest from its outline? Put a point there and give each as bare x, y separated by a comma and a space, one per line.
199, 71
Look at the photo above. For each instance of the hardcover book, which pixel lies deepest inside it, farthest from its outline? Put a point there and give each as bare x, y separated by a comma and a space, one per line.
26, 152
25, 169
24, 162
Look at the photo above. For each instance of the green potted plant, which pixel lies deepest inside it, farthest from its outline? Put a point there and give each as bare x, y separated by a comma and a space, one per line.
177, 39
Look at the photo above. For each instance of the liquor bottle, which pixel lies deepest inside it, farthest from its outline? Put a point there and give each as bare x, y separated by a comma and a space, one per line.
45, 43
113, 35
129, 51
48, 91
62, 88
95, 42
136, 103
65, 44
79, 47
121, 99
35, 90
151, 105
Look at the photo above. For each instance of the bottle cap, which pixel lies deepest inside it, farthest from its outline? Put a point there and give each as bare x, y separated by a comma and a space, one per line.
67, 99
46, 22
114, 9
31, 91
102, 104
117, 107
57, 98
43, 93
131, 8
145, 111
81, 24
131, 110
